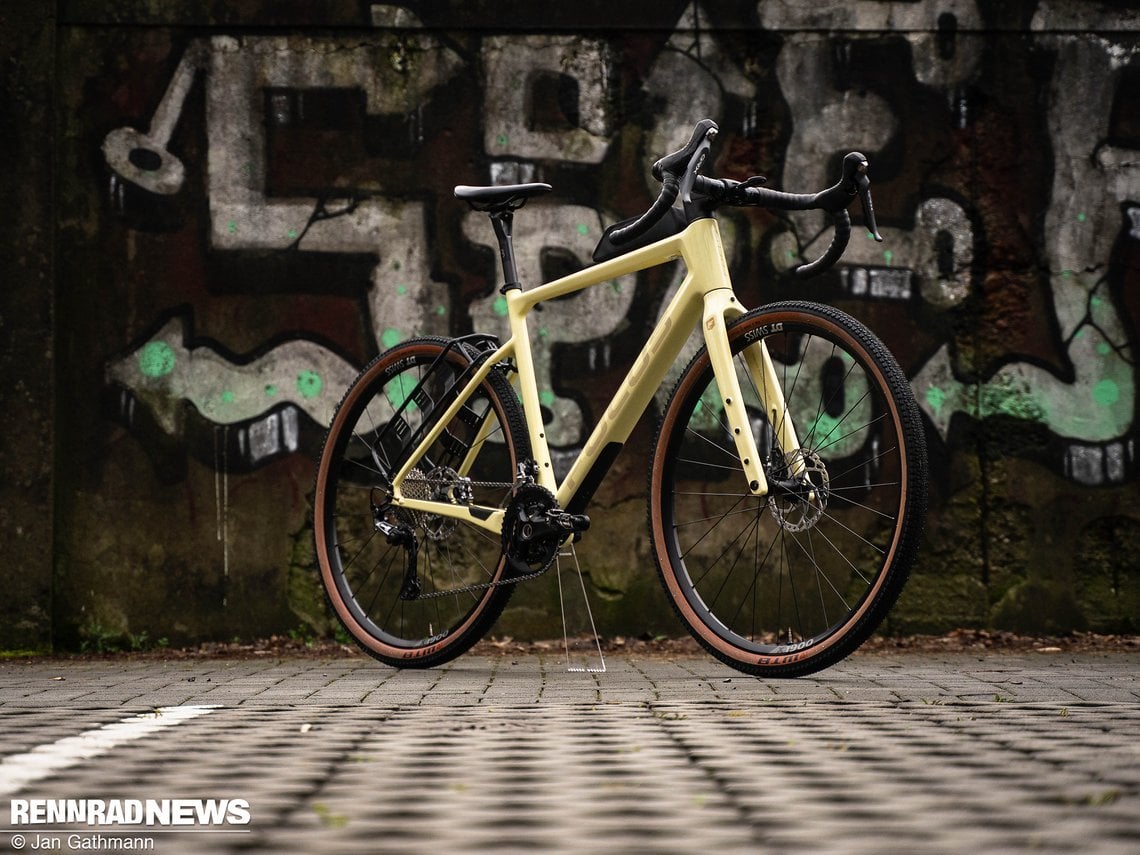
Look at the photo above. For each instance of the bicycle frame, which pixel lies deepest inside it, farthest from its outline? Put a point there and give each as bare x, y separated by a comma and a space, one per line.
705, 297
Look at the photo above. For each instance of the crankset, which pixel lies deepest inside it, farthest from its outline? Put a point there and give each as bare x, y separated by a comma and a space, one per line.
534, 527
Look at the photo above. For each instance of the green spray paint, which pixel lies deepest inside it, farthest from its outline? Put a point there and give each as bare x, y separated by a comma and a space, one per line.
156, 359
1106, 393
936, 397
822, 430
309, 384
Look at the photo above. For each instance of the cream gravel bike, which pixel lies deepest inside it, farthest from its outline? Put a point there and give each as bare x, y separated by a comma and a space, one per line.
787, 483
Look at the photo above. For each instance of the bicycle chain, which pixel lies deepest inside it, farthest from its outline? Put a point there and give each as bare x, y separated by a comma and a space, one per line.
426, 480
480, 586
498, 583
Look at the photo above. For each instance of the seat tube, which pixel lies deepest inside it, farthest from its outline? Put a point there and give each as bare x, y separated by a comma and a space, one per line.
517, 309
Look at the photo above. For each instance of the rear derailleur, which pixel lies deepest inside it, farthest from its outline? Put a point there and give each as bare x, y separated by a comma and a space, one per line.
399, 534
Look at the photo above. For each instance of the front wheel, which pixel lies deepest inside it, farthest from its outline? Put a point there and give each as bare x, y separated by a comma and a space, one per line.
789, 583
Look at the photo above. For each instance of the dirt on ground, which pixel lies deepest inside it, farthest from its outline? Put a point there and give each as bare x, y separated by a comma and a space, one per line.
959, 641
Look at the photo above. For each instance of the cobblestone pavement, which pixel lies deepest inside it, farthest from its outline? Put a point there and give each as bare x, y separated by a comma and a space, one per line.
883, 753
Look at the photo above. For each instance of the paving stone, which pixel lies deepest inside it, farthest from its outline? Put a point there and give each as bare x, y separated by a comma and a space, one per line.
880, 754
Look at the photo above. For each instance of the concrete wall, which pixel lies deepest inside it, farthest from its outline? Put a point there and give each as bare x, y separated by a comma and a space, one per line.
252, 199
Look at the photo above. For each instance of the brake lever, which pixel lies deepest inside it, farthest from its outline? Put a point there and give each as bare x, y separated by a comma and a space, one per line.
854, 181
863, 186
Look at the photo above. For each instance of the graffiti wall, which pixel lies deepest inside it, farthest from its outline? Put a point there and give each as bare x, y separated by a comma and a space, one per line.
249, 210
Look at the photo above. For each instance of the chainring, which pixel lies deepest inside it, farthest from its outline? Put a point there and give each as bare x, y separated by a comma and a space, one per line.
526, 553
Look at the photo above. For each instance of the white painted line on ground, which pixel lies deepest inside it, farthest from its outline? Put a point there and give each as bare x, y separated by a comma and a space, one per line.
19, 770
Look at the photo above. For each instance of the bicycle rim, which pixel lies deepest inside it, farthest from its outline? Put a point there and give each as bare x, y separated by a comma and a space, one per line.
789, 583
364, 573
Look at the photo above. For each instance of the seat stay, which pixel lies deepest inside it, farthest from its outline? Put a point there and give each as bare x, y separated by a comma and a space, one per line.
484, 517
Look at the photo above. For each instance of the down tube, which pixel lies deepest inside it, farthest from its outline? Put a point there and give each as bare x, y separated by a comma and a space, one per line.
631, 400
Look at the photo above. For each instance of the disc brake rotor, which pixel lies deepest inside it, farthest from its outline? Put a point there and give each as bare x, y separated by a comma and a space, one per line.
803, 510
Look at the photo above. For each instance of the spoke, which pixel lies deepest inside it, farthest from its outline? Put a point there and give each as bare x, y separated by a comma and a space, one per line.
746, 510
723, 553
380, 587
861, 488
791, 393
367, 540
371, 470
819, 407
377, 450
438, 607
711, 529
359, 487
864, 463
708, 465
750, 529
792, 584
850, 530
753, 588
710, 493
865, 507
843, 555
851, 432
839, 387
819, 571
337, 544
704, 438
490, 574
818, 586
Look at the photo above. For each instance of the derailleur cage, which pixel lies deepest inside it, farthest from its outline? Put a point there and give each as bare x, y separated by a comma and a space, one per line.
399, 534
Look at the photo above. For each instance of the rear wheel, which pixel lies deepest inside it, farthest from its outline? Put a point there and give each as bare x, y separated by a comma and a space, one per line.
362, 569
791, 582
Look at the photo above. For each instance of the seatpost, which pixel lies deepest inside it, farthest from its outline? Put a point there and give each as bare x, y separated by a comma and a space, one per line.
502, 221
